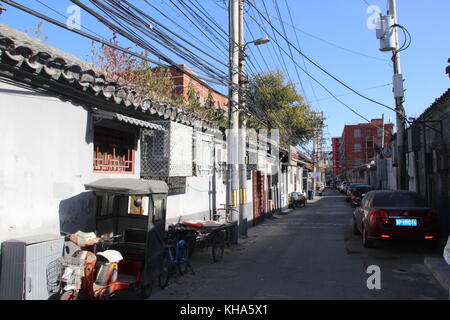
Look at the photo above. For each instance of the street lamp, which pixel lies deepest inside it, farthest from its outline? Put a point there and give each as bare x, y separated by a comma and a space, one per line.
256, 42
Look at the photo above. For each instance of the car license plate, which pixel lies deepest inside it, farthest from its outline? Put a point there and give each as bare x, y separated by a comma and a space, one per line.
406, 222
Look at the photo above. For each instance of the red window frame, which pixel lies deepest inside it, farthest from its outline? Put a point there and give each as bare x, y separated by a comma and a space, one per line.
114, 151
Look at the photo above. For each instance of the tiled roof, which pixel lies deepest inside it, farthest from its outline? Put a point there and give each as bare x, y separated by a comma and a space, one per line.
33, 55
445, 98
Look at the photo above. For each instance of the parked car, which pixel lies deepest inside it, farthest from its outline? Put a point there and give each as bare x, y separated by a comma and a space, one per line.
343, 184
297, 200
345, 188
349, 190
358, 193
394, 215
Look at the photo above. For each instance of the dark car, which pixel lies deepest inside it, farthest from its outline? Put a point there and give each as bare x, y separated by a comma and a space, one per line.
358, 193
297, 200
349, 189
394, 215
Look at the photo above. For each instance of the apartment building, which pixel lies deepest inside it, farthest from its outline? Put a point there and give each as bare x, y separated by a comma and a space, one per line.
336, 156
359, 143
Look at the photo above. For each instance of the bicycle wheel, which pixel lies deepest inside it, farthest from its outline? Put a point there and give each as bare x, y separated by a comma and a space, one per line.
218, 246
183, 259
164, 276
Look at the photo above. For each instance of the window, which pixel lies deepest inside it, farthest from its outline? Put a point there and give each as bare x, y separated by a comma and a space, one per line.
113, 150
379, 132
357, 147
357, 133
399, 199
357, 162
138, 205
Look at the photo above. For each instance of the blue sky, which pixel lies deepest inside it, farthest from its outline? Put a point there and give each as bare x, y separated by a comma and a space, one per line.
331, 32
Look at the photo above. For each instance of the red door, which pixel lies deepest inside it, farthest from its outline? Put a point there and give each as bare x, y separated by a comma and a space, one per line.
259, 212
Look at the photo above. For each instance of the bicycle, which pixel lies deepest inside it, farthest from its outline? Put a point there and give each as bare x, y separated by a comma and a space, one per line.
176, 255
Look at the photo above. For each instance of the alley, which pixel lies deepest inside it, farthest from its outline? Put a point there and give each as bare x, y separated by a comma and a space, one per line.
310, 253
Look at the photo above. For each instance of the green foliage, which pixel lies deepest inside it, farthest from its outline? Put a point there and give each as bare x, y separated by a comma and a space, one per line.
276, 104
193, 97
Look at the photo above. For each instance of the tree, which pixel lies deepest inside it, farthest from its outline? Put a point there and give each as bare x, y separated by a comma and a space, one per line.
277, 105
153, 82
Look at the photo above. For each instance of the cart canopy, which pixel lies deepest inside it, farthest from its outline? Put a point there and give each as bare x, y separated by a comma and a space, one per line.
128, 186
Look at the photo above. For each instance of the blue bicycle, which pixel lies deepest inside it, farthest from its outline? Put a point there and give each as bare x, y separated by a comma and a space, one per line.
175, 257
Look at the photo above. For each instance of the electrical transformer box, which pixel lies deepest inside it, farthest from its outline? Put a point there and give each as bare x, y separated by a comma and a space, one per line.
26, 263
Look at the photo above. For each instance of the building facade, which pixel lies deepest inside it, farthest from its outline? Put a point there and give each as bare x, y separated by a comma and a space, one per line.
336, 156
360, 143
183, 83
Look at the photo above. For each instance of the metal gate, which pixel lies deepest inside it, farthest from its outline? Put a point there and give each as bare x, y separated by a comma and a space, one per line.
259, 208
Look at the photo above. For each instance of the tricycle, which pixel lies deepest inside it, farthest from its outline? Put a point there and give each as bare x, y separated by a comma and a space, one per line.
130, 225
206, 234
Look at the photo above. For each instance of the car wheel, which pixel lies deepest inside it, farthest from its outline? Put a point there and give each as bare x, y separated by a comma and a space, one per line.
367, 243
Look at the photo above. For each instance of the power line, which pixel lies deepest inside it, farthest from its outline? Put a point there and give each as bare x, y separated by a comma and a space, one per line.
320, 84
112, 45
321, 68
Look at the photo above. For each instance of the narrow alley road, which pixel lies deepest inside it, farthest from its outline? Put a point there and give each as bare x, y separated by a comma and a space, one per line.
310, 253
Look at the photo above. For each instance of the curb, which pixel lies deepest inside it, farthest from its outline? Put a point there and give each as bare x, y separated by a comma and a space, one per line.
440, 270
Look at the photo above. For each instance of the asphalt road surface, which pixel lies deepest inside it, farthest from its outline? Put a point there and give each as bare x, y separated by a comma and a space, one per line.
310, 253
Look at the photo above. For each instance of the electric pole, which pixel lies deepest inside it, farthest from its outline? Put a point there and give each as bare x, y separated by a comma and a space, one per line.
233, 116
242, 128
398, 95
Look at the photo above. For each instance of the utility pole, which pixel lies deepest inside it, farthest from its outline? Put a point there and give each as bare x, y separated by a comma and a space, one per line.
315, 150
233, 116
242, 128
400, 112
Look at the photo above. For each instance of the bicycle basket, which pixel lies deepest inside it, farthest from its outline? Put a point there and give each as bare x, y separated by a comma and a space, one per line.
72, 270
53, 272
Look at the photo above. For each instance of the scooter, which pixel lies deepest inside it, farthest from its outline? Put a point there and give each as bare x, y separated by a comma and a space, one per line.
96, 275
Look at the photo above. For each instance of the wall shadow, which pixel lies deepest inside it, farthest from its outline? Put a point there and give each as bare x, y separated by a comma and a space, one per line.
77, 213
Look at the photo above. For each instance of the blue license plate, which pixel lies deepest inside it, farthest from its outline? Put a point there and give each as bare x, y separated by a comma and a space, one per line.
406, 222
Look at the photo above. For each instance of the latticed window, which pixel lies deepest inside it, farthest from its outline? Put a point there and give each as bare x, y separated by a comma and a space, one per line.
113, 150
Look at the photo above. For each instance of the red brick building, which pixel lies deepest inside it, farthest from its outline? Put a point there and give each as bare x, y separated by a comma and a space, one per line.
359, 143
183, 81
336, 156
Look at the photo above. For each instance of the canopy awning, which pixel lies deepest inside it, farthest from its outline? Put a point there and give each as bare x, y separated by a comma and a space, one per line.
128, 186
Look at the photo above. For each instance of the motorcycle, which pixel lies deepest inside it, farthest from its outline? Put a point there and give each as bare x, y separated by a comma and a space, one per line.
97, 275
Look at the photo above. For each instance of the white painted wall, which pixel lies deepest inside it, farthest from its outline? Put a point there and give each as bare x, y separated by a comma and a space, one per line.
196, 203
45, 160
